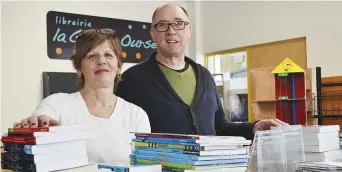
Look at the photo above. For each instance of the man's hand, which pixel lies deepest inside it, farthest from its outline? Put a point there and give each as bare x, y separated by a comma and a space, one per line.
36, 121
266, 124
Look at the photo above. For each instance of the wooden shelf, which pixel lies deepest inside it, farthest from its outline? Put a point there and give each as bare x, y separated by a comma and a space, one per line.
273, 100
264, 101
240, 91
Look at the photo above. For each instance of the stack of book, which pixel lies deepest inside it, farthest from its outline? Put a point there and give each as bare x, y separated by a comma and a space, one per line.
319, 166
321, 142
45, 149
191, 152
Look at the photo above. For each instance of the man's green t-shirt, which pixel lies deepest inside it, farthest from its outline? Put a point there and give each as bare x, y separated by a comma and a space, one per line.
182, 81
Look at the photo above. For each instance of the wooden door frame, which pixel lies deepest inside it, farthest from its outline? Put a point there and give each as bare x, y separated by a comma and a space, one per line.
245, 48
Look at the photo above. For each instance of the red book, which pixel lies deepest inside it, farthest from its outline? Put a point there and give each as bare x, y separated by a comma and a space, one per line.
60, 128
28, 130
27, 140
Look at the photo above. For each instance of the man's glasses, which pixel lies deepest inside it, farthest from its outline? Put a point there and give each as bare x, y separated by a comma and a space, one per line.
164, 26
103, 31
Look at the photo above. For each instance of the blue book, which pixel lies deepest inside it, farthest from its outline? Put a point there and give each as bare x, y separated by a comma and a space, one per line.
239, 151
131, 168
186, 156
188, 162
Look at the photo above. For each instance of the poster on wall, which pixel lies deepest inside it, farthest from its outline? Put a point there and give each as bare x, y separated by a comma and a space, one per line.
62, 29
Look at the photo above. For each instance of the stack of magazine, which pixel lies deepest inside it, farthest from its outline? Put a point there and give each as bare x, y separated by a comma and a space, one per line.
191, 152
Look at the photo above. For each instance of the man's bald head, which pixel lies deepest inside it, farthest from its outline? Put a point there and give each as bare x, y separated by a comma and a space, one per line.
171, 30
165, 7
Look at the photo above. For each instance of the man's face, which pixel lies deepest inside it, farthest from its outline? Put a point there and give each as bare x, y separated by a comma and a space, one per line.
171, 30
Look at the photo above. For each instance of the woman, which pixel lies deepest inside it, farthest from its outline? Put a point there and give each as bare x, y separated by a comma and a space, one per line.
98, 64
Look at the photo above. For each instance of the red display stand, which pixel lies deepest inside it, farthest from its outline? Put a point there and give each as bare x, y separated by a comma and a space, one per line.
290, 94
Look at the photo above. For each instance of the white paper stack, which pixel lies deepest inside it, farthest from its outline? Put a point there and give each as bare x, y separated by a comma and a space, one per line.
321, 142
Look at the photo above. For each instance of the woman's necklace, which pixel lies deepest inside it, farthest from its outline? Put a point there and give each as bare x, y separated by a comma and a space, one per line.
111, 104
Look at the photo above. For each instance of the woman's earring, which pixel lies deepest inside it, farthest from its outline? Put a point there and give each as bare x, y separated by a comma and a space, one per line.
79, 75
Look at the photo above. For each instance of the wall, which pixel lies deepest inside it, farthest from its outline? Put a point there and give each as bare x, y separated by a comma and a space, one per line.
195, 44
24, 56
227, 25
0, 67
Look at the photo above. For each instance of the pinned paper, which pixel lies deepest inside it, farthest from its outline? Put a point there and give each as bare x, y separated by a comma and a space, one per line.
287, 66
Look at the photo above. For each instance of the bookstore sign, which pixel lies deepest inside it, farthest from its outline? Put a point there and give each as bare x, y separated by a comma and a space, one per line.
62, 29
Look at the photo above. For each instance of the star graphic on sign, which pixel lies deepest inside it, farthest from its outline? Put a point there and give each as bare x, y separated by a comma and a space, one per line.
130, 26
144, 26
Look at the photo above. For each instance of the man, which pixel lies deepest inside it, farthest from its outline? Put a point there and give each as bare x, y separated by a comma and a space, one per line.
179, 95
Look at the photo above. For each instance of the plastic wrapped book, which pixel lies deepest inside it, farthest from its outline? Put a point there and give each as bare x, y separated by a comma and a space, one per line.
294, 145
268, 152
278, 149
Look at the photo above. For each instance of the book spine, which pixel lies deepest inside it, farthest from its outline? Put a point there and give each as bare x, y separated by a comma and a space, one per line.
113, 168
169, 146
20, 134
14, 147
28, 140
162, 159
164, 154
166, 142
172, 169
166, 164
18, 166
15, 156
168, 136
18, 148
163, 150
27, 130
152, 139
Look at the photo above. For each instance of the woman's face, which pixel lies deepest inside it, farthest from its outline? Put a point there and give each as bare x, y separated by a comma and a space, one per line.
100, 66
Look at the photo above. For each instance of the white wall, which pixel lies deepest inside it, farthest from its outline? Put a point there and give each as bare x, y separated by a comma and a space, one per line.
227, 25
195, 44
0, 65
24, 55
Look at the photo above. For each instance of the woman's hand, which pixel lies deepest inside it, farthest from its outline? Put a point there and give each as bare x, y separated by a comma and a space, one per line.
36, 121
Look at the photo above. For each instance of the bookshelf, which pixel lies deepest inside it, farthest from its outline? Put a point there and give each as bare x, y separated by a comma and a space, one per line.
264, 98
261, 60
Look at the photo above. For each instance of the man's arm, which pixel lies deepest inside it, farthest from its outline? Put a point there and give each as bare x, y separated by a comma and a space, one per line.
225, 128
